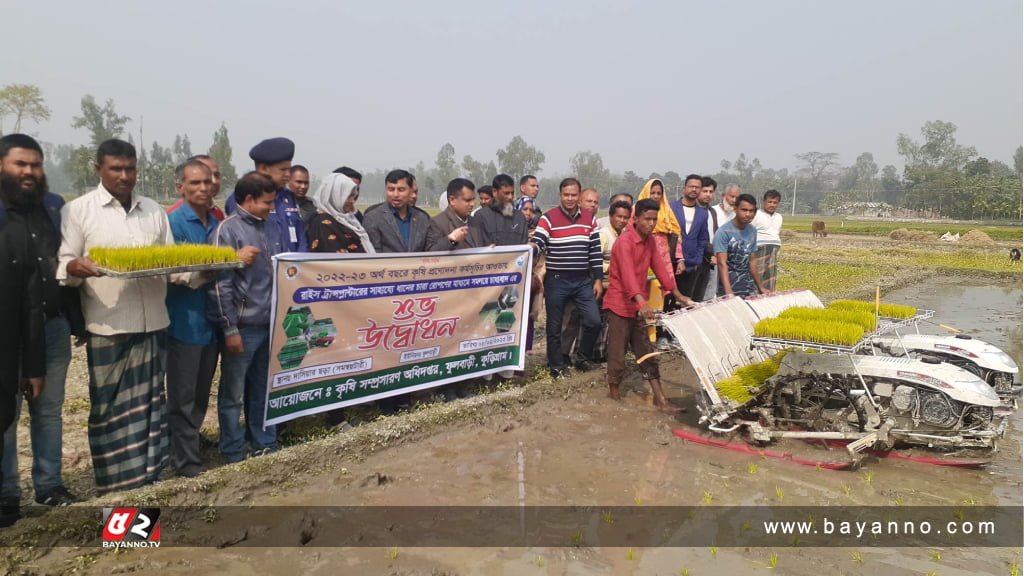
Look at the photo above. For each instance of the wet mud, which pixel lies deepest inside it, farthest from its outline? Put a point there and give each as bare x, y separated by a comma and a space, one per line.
584, 449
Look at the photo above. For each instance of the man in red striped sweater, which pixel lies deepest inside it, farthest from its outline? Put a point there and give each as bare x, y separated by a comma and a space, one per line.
571, 240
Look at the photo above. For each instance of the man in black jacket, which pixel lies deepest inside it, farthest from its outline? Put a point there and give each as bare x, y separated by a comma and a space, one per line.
449, 229
22, 336
499, 223
39, 209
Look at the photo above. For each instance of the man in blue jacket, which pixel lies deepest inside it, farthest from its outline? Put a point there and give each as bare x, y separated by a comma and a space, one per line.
241, 308
693, 226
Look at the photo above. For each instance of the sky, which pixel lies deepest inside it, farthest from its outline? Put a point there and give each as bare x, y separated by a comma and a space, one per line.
651, 86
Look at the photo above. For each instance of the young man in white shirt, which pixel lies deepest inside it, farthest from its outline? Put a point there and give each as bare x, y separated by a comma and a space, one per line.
769, 227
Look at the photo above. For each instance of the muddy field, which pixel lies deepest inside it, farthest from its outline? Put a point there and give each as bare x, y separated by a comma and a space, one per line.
543, 444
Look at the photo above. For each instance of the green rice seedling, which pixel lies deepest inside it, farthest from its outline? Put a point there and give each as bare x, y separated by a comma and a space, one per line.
684, 572
862, 318
1014, 569
738, 386
714, 551
779, 493
708, 497
818, 331
732, 388
132, 259
773, 560
936, 555
629, 554
868, 477
752, 468
898, 311
393, 553
857, 557
607, 517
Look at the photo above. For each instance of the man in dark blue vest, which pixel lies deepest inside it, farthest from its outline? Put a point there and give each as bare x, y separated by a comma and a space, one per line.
273, 158
688, 250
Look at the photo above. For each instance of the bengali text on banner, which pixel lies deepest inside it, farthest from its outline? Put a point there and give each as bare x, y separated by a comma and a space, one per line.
352, 328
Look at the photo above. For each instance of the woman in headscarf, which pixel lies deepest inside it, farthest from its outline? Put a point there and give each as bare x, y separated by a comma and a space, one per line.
335, 227
526, 205
667, 226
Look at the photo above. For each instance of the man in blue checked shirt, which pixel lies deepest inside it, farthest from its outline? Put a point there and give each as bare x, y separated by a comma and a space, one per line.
192, 345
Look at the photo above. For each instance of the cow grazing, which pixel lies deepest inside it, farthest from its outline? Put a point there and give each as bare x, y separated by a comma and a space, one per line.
1014, 254
818, 227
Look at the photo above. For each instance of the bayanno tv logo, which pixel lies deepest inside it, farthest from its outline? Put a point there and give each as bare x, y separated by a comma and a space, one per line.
131, 527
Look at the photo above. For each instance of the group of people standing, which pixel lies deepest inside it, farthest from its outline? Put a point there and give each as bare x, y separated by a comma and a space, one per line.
154, 343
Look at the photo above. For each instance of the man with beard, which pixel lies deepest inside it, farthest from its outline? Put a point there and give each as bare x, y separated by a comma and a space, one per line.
22, 338
726, 209
214, 187
498, 223
126, 321
688, 250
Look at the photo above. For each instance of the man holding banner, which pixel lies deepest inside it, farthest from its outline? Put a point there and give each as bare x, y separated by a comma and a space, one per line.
354, 328
241, 307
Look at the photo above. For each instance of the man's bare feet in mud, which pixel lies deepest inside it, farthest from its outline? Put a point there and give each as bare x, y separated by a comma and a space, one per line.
613, 392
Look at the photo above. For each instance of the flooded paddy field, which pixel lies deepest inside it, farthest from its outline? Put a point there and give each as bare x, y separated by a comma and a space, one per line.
578, 448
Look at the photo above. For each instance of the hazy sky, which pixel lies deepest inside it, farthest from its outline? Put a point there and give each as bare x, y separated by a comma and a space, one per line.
652, 86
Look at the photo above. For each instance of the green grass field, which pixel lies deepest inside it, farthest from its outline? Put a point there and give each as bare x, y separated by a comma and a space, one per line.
837, 225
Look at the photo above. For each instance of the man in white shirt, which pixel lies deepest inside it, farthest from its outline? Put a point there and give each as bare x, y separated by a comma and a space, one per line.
726, 209
126, 321
769, 227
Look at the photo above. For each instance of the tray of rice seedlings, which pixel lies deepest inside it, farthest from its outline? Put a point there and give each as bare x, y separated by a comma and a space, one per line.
138, 262
862, 318
797, 331
896, 311
745, 380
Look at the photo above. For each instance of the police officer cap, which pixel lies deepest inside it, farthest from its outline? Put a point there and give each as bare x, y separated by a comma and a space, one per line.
272, 151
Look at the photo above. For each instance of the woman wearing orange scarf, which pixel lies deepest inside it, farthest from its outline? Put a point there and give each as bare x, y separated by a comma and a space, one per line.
667, 224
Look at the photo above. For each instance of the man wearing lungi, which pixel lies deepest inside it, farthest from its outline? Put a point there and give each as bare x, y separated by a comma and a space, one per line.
126, 322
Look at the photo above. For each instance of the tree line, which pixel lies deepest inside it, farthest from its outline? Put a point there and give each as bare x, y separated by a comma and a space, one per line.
940, 176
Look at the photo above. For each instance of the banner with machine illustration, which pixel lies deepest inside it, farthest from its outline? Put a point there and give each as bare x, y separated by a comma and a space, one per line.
352, 328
